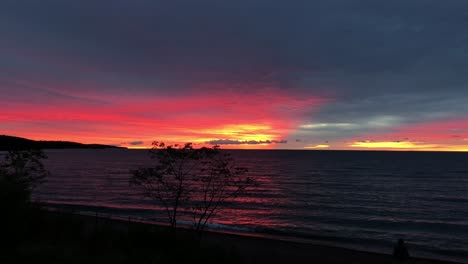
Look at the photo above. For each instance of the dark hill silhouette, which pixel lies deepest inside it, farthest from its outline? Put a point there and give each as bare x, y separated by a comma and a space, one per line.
17, 143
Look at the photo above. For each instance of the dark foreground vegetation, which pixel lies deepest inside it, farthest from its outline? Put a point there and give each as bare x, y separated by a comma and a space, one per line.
31, 234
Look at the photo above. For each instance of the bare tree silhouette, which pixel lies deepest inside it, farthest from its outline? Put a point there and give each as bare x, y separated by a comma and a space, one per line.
196, 181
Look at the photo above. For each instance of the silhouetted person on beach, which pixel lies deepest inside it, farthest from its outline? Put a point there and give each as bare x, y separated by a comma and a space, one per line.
400, 253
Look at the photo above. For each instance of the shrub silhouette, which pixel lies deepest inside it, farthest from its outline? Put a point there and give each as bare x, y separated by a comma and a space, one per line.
20, 172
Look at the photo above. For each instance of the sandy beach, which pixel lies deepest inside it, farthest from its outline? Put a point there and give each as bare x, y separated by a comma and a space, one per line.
261, 250
258, 250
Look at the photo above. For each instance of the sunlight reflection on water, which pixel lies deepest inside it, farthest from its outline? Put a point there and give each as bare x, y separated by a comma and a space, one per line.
373, 197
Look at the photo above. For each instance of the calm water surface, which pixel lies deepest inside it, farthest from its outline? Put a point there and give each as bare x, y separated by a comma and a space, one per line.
362, 200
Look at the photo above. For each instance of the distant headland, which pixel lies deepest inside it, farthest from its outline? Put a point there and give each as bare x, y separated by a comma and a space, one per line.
18, 143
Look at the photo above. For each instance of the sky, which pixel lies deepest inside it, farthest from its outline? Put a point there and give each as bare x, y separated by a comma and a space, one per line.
325, 74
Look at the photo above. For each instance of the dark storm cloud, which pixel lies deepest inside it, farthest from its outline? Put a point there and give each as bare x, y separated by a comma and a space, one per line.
133, 143
241, 40
383, 63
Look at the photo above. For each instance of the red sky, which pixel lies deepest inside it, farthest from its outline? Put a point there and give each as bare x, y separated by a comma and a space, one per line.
286, 75
264, 115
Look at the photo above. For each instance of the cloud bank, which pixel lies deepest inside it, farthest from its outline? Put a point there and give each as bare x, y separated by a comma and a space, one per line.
335, 70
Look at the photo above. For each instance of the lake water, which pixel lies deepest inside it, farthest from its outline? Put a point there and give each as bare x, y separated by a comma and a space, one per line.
360, 200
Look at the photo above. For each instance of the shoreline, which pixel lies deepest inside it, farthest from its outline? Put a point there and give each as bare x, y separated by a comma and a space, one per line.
255, 249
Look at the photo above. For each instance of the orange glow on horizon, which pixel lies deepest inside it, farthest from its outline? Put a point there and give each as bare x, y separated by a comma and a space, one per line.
241, 132
441, 135
262, 117
320, 146
407, 145
390, 145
